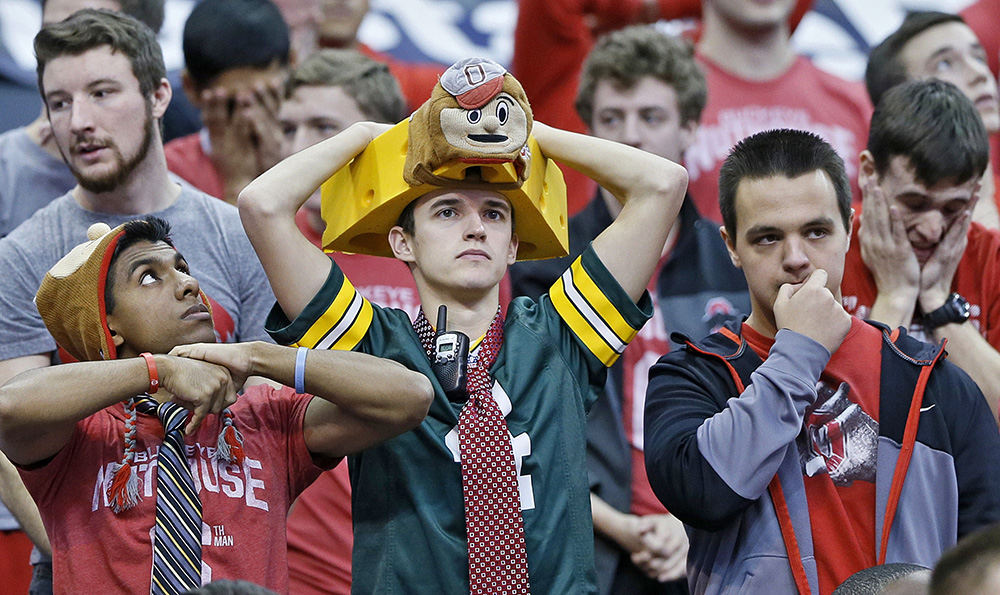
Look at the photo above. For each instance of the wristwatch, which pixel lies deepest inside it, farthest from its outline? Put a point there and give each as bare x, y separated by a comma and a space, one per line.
955, 309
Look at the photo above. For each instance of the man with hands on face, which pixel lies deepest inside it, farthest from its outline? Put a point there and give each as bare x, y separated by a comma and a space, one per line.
791, 456
918, 260
236, 53
943, 46
125, 305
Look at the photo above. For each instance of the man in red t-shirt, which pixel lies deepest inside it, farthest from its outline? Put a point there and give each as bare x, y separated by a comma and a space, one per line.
942, 46
145, 333
788, 443
236, 53
757, 82
918, 260
553, 37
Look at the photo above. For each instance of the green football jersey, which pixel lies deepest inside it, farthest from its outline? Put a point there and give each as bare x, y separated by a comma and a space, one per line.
409, 520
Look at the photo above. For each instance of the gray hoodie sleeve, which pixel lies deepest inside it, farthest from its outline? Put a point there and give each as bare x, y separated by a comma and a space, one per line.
710, 454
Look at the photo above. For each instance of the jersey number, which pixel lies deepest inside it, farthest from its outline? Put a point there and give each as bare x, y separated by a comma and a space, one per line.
521, 444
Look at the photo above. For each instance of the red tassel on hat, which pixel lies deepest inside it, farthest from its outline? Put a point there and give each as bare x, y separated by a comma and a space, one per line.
123, 490
230, 444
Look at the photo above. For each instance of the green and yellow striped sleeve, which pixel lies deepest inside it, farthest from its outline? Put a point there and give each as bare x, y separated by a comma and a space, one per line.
337, 317
596, 308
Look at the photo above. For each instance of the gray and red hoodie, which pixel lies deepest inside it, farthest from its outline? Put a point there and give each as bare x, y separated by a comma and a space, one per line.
720, 430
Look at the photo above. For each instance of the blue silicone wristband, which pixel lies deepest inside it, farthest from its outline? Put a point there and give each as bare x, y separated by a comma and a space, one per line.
300, 370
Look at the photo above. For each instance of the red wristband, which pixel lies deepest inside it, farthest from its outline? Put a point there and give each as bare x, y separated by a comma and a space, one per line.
154, 378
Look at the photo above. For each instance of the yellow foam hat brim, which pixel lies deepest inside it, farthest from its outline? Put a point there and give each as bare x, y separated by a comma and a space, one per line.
362, 201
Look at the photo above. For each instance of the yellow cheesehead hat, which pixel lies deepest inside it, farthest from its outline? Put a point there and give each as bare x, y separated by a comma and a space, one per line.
474, 132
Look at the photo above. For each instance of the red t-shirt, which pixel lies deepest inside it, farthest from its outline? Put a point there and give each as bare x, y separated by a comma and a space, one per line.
244, 508
563, 32
981, 16
838, 450
648, 345
977, 279
187, 158
804, 97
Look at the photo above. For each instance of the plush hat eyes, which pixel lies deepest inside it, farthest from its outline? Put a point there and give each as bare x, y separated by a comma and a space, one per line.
502, 112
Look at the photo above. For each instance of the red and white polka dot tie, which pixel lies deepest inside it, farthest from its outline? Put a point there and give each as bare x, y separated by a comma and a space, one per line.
498, 561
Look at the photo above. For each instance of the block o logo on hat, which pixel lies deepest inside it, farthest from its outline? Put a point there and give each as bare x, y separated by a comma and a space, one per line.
473, 81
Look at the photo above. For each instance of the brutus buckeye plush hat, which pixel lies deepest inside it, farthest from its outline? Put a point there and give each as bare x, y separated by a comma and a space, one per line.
71, 297
473, 133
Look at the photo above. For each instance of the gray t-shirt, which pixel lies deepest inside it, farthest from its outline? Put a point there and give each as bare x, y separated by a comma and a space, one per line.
206, 230
30, 178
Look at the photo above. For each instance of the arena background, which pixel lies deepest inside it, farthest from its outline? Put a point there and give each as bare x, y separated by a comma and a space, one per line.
836, 33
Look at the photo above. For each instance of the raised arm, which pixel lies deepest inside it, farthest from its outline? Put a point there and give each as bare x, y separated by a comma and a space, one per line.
39, 408
295, 267
710, 456
650, 189
363, 400
18, 501
970, 351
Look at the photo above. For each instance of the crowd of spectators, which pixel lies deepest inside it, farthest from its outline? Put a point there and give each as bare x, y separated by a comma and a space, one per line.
745, 441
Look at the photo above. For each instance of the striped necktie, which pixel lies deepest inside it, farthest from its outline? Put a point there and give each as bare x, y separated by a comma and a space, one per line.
177, 540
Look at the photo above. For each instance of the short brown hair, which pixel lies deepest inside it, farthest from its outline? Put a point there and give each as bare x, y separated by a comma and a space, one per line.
88, 29
968, 566
627, 55
935, 127
368, 82
782, 152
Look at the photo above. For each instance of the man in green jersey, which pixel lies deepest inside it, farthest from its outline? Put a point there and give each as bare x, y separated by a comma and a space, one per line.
417, 498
